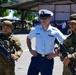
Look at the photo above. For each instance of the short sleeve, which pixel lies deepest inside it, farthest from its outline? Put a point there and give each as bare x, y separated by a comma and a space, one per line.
31, 34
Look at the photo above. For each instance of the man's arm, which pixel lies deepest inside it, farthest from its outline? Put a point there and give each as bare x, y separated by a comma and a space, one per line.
29, 43
17, 45
33, 52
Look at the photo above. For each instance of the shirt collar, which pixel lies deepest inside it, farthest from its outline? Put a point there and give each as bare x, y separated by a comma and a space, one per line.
49, 28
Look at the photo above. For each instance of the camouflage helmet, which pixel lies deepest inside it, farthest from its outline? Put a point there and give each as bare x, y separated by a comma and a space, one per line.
7, 22
72, 18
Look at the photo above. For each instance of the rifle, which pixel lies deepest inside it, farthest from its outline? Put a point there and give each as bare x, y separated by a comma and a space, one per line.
5, 52
64, 52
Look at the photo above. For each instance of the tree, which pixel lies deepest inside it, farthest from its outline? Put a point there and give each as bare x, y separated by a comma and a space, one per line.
16, 13
4, 12
28, 15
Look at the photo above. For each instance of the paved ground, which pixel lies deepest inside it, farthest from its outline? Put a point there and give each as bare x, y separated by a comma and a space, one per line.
23, 63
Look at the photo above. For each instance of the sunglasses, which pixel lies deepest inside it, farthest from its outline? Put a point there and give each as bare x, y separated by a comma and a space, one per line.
43, 18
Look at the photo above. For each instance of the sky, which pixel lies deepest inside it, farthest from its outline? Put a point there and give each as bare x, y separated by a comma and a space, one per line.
11, 12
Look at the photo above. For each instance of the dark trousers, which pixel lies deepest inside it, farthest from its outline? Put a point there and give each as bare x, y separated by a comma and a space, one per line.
42, 65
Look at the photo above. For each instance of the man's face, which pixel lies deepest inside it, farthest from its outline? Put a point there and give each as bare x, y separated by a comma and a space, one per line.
72, 26
6, 29
45, 21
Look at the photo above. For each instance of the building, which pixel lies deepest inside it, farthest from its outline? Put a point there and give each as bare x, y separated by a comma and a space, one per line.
62, 8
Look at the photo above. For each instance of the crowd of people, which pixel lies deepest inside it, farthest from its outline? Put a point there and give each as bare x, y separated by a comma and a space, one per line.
42, 60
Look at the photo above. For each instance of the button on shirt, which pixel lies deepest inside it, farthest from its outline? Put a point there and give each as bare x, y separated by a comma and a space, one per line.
45, 39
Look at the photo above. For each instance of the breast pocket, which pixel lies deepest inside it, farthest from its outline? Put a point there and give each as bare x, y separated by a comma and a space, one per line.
39, 38
50, 39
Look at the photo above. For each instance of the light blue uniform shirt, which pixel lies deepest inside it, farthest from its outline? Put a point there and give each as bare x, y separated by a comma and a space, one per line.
45, 39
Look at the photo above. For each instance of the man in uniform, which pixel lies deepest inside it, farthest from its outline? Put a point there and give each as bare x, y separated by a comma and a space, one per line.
70, 43
10, 49
43, 56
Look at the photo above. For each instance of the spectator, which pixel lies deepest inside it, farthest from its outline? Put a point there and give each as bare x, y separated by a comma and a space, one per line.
64, 27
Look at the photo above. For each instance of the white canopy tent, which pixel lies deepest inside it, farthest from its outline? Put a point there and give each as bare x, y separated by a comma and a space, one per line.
10, 18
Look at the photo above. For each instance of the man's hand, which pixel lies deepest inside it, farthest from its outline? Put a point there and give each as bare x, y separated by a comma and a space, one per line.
33, 52
57, 51
50, 56
66, 61
14, 57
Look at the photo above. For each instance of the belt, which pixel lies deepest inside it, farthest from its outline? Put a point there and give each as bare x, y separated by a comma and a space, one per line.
42, 55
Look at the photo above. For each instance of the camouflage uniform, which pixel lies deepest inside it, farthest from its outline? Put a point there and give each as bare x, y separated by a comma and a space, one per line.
12, 44
70, 42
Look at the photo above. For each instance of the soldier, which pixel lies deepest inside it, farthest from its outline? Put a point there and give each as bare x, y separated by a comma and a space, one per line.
10, 49
70, 42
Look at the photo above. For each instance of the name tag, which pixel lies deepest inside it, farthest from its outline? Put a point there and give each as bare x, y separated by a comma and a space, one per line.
50, 35
37, 33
